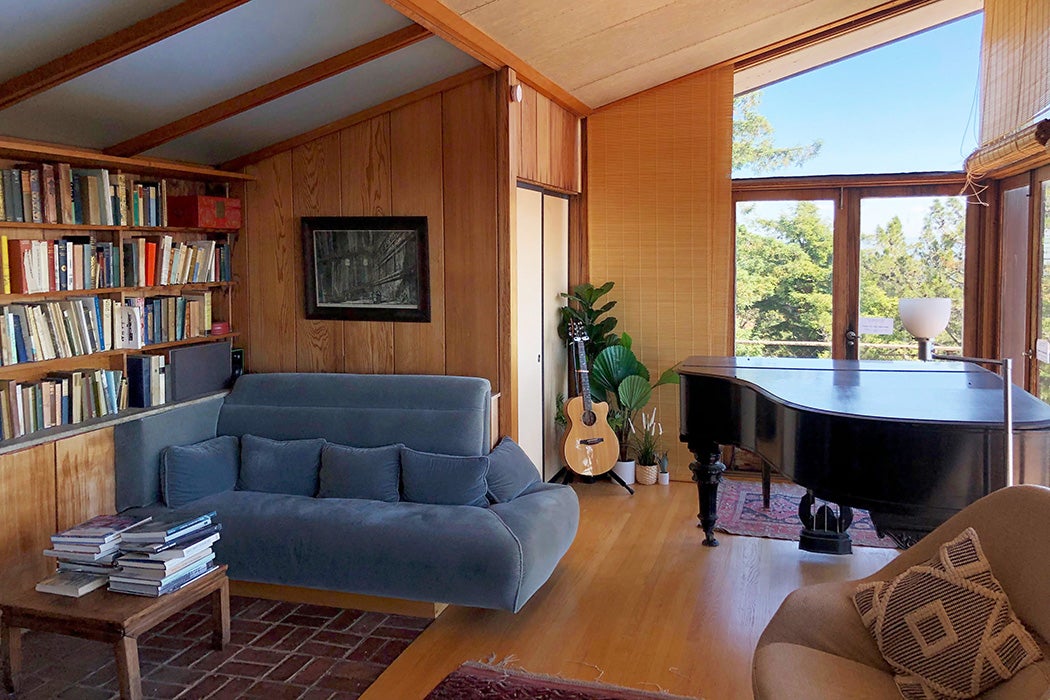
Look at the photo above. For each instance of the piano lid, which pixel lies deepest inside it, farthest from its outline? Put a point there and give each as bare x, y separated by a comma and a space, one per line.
936, 392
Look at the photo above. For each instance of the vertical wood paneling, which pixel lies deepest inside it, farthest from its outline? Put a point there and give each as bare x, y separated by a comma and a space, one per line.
660, 225
239, 305
564, 147
528, 169
275, 302
471, 259
543, 140
84, 477
434, 157
365, 159
27, 510
416, 187
315, 192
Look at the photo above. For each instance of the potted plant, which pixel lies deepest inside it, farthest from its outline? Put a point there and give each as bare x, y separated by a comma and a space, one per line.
647, 451
582, 304
619, 378
664, 476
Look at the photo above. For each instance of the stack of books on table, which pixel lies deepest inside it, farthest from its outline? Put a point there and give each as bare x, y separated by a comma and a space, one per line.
86, 553
165, 554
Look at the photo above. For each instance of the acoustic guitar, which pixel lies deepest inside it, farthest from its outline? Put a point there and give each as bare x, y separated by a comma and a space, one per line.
590, 447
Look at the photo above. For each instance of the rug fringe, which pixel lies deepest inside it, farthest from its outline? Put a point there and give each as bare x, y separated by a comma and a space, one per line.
504, 666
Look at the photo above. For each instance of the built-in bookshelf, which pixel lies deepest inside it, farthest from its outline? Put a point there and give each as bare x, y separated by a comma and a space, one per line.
95, 276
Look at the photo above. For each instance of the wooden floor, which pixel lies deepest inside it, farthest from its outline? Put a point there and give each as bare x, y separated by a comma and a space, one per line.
637, 601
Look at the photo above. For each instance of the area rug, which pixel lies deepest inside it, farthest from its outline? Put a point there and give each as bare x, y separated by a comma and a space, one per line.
474, 681
740, 512
282, 651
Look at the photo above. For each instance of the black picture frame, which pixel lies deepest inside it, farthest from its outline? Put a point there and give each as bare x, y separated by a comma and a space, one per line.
366, 268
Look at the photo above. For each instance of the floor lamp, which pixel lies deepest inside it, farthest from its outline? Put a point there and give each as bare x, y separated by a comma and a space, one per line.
925, 319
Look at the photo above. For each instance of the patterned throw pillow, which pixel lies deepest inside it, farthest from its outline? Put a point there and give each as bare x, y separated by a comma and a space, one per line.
945, 626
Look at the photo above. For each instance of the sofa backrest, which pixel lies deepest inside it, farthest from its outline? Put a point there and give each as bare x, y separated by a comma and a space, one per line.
448, 415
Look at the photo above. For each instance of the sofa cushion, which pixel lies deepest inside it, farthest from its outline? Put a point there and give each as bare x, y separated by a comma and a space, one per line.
945, 626
189, 472
444, 479
371, 473
280, 466
510, 472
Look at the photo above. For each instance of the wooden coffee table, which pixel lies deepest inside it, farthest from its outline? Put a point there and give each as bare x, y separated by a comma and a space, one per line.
115, 618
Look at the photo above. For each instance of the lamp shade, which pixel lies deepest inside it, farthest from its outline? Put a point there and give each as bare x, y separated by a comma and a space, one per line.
925, 318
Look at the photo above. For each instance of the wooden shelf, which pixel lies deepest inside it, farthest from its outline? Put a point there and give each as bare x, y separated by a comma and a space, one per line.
175, 289
36, 151
144, 230
179, 343
39, 437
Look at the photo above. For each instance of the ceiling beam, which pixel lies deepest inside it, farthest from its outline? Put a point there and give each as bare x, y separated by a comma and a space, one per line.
109, 48
451, 27
327, 68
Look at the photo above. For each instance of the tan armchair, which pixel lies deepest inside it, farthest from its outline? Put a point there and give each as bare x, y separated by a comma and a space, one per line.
817, 647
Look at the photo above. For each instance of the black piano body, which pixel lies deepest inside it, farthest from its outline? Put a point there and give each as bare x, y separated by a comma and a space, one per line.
911, 442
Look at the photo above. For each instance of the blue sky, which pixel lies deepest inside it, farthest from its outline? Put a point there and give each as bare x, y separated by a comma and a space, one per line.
905, 107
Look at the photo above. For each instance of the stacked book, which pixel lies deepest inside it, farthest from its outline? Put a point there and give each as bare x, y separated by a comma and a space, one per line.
165, 554
86, 554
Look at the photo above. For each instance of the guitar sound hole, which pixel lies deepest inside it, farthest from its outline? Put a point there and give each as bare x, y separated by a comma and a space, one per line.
589, 418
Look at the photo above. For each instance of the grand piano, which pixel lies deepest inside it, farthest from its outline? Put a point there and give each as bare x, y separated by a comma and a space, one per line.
911, 442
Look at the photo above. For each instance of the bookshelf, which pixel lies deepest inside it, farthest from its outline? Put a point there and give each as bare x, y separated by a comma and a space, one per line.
176, 279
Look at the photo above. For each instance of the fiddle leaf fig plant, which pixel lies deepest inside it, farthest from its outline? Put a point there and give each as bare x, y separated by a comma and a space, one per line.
583, 304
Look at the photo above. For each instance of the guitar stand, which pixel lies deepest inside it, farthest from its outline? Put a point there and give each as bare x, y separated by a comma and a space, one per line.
568, 476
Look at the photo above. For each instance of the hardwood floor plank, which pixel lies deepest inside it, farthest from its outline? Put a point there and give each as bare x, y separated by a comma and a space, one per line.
637, 601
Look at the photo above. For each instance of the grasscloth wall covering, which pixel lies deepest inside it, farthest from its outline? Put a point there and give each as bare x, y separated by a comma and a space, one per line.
435, 157
660, 225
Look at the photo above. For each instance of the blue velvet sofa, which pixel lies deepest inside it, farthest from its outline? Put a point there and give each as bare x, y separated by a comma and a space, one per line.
495, 556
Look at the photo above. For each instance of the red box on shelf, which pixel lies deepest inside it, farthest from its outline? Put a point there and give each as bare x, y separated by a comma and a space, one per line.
198, 211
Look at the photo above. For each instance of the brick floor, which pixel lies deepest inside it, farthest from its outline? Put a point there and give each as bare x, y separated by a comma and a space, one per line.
278, 651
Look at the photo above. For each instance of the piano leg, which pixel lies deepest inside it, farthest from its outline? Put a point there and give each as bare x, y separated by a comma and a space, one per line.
707, 473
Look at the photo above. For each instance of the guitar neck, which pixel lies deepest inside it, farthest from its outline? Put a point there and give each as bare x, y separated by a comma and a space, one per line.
584, 374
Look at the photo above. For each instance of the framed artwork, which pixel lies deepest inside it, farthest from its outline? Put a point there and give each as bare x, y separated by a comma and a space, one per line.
366, 268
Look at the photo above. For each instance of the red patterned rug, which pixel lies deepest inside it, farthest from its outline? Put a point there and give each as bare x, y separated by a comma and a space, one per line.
474, 681
740, 512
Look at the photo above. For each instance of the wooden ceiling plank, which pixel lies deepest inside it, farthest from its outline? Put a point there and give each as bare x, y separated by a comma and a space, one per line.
298, 80
358, 117
453, 28
110, 48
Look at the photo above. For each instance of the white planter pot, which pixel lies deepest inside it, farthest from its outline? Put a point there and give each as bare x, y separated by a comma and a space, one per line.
625, 470
663, 478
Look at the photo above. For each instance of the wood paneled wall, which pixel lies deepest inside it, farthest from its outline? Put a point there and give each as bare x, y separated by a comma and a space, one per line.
434, 157
548, 142
47, 488
660, 225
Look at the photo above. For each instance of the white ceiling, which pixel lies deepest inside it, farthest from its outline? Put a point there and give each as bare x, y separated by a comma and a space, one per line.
598, 50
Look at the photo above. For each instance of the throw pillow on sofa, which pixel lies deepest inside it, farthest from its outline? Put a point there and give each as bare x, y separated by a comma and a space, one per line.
444, 480
945, 626
189, 472
280, 466
371, 473
510, 472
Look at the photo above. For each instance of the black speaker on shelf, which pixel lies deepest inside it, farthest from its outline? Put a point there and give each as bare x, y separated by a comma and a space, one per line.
236, 364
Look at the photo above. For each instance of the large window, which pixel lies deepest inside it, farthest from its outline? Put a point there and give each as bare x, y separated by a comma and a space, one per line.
819, 270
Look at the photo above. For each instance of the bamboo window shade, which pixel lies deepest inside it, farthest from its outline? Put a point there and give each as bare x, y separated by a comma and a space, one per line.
1015, 87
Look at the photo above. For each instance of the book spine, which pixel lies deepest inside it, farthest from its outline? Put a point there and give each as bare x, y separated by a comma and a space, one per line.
50, 193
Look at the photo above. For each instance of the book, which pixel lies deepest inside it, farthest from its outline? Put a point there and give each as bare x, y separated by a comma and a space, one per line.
145, 588
161, 571
183, 542
101, 528
83, 557
189, 549
72, 583
167, 528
